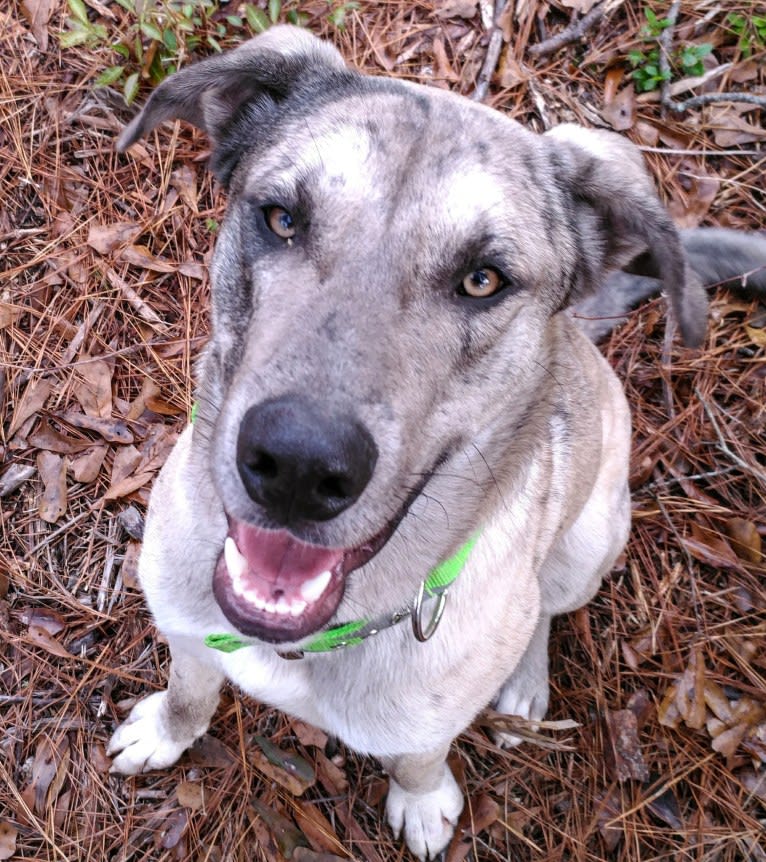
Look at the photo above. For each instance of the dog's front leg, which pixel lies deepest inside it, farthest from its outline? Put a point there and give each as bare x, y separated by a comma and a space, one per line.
162, 726
423, 800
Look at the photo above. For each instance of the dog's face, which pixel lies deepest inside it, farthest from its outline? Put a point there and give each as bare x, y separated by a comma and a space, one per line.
383, 282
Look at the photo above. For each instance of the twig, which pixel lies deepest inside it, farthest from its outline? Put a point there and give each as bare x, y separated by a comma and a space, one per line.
666, 151
576, 30
493, 55
666, 46
724, 446
710, 98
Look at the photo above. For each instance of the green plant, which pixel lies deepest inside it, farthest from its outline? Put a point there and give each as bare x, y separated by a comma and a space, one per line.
685, 61
750, 31
156, 36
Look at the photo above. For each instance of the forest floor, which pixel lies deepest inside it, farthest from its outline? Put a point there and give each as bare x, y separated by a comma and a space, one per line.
660, 681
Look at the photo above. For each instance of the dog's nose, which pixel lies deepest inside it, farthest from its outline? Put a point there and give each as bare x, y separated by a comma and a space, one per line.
302, 462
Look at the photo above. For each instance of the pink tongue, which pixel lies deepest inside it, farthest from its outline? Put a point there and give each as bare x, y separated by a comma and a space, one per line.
278, 556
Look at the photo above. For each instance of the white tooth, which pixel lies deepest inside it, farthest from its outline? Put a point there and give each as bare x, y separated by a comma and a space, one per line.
313, 589
255, 599
283, 606
238, 586
297, 609
270, 608
235, 562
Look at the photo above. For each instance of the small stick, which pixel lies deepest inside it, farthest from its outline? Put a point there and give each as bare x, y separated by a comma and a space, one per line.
576, 30
724, 446
493, 55
666, 46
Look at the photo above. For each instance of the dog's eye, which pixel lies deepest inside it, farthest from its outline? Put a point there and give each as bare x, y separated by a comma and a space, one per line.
280, 222
481, 283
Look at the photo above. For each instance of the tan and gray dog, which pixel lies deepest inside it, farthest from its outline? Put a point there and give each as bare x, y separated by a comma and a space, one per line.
408, 456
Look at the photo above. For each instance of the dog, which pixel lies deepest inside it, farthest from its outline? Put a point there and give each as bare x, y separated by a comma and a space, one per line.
407, 455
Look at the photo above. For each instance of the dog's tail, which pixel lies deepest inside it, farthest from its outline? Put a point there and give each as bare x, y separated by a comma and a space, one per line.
719, 256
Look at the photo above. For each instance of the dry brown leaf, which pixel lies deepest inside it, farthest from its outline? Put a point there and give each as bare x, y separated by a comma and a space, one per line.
129, 568
41, 638
693, 196
710, 548
191, 794
717, 701
9, 314
744, 535
316, 827
8, 835
48, 772
53, 501
330, 776
668, 714
112, 430
33, 400
308, 735
620, 113
211, 753
456, 9
627, 760
582, 6
47, 437
38, 13
139, 255
608, 817
287, 768
126, 459
173, 832
303, 854
93, 388
184, 180
730, 128
14, 477
756, 334
105, 238
665, 806
690, 695
86, 467
287, 836
44, 618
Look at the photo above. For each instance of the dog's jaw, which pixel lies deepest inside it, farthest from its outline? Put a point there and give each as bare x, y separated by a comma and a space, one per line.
272, 586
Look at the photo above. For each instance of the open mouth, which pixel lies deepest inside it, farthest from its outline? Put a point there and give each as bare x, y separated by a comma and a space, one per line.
276, 588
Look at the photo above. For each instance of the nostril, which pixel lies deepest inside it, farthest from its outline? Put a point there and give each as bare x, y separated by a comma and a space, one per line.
263, 464
334, 488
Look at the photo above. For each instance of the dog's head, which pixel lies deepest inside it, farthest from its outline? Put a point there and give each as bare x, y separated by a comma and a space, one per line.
382, 290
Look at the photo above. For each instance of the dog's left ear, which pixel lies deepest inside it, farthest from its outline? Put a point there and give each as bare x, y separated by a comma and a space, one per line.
210, 94
618, 218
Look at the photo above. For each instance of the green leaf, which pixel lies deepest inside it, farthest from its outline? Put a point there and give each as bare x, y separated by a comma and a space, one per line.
130, 89
122, 50
128, 5
234, 20
74, 37
80, 11
151, 31
275, 7
109, 76
256, 18
169, 40
214, 44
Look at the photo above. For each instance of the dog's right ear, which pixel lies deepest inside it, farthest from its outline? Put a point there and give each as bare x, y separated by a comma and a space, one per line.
210, 93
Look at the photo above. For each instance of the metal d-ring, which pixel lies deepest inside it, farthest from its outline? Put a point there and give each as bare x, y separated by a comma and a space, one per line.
417, 612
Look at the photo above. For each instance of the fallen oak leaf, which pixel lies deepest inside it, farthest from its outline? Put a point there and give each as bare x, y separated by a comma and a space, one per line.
53, 501
105, 238
139, 255
112, 430
286, 834
626, 760
8, 835
744, 535
31, 402
287, 768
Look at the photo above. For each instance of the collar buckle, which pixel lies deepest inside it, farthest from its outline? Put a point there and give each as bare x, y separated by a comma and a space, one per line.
416, 614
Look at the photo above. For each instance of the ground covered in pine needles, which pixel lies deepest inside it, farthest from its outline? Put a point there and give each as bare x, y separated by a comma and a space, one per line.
659, 685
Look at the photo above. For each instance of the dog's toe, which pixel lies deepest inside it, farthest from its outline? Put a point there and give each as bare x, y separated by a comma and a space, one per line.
530, 707
427, 819
142, 742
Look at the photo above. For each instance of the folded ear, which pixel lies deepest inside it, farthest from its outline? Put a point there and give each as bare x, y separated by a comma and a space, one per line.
212, 93
618, 218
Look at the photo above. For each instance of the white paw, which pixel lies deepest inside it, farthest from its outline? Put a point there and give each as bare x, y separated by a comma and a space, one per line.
528, 704
428, 819
143, 741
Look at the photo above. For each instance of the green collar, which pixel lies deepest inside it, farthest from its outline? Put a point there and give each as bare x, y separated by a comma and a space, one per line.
354, 632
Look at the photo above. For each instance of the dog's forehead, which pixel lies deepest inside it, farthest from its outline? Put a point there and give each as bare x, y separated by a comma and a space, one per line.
409, 145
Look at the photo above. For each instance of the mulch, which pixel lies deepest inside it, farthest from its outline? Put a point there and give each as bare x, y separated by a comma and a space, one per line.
657, 742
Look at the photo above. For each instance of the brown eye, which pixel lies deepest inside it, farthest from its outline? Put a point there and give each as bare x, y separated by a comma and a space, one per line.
481, 283
280, 222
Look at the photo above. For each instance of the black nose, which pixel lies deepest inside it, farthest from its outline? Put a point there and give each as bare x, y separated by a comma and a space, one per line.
302, 462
